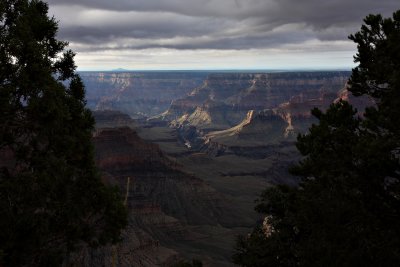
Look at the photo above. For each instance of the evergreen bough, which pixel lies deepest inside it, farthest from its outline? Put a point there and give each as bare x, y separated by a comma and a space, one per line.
346, 210
52, 200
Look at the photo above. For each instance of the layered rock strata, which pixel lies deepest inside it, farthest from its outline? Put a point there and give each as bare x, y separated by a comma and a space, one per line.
164, 203
138, 93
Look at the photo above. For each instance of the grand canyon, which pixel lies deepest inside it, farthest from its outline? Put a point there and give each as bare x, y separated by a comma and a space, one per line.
199, 133
192, 151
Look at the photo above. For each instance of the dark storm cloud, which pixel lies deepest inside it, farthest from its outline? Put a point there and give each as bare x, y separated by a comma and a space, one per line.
138, 26
210, 24
317, 12
237, 43
185, 7
326, 13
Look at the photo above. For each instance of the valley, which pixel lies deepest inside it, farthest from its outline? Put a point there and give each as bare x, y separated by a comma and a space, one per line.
192, 151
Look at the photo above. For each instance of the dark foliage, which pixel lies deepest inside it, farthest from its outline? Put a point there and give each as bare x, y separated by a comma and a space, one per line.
51, 197
346, 211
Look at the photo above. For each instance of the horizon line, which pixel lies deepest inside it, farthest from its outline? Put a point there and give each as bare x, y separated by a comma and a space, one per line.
216, 70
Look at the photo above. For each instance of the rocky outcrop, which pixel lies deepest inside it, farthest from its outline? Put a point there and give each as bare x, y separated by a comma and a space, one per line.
262, 126
112, 118
209, 116
259, 135
297, 111
199, 118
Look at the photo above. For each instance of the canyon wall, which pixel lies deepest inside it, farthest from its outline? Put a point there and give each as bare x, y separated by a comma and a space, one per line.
165, 204
138, 93
224, 99
198, 103
178, 93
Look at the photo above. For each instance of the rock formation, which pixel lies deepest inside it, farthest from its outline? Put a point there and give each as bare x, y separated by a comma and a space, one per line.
231, 96
164, 203
258, 127
138, 93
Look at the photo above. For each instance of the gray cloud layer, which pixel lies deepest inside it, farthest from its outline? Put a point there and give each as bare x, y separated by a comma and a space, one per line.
209, 24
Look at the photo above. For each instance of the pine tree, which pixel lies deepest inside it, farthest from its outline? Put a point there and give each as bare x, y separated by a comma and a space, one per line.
346, 210
51, 197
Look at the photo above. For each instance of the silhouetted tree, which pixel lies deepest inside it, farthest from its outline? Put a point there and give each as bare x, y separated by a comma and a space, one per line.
346, 210
51, 197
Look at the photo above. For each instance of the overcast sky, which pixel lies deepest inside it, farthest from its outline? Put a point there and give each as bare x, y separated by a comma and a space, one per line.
213, 34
